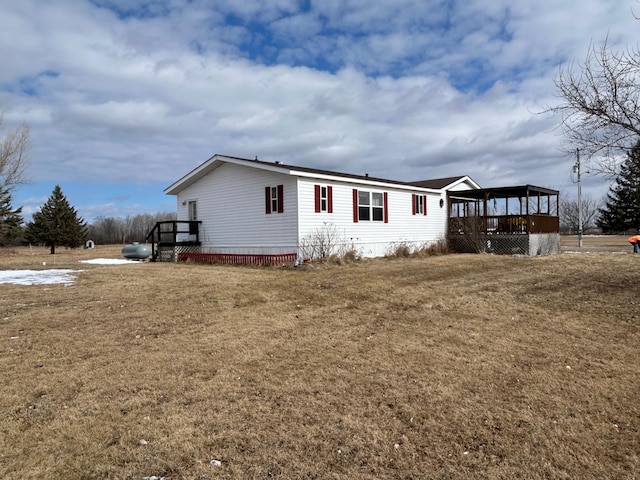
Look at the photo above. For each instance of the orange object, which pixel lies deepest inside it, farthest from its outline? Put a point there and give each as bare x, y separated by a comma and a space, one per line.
634, 239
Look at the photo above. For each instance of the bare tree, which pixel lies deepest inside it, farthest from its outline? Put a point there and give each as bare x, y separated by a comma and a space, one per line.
13, 161
569, 213
600, 112
114, 230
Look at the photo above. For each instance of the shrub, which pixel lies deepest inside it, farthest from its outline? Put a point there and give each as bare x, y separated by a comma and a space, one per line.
322, 243
408, 250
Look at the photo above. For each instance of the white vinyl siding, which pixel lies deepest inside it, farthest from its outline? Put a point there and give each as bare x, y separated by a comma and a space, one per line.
231, 206
231, 197
373, 238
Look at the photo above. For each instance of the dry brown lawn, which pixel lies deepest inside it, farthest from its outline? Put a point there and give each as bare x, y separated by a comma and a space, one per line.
598, 243
456, 367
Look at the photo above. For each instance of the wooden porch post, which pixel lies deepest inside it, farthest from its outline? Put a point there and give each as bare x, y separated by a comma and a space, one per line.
485, 213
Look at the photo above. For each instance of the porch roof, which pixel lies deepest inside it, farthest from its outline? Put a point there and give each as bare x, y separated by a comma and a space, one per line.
519, 191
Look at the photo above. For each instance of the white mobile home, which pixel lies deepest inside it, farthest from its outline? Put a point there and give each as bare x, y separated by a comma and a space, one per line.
251, 208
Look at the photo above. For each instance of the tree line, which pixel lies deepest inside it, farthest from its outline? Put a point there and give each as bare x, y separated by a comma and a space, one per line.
57, 224
132, 228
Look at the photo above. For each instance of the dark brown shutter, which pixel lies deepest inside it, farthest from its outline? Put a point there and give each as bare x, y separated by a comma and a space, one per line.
386, 209
267, 197
355, 206
330, 199
316, 193
424, 203
280, 198
413, 204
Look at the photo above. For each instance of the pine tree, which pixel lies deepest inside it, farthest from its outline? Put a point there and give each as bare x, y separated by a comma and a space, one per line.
622, 209
10, 219
57, 224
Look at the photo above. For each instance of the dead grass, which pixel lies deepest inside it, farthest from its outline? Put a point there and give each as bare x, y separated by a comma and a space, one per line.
457, 366
597, 242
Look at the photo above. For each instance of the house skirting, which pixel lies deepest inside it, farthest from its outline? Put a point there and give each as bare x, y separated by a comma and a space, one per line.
237, 258
533, 244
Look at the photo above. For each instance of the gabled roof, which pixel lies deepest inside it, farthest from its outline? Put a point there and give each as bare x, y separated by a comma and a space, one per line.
214, 162
440, 183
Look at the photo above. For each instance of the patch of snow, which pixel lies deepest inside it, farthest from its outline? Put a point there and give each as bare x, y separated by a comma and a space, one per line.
110, 261
38, 277
54, 276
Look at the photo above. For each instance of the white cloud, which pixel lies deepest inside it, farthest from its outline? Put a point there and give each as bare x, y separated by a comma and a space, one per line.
145, 91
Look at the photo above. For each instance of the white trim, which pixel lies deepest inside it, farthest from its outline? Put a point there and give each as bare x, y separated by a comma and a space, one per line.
464, 179
214, 162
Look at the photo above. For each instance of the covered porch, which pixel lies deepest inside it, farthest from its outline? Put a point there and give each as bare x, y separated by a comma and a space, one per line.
520, 219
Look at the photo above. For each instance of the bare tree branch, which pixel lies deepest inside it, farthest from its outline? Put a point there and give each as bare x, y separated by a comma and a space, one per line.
600, 112
570, 213
14, 145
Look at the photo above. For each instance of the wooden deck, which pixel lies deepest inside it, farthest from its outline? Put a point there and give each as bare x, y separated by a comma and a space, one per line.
169, 237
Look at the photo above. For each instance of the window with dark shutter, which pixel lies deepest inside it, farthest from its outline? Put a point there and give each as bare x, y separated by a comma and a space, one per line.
323, 198
419, 204
370, 206
274, 199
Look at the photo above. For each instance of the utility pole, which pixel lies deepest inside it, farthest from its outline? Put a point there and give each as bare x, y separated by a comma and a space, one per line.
577, 170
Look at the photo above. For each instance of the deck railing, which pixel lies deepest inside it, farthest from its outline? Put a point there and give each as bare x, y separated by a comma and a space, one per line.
504, 224
172, 233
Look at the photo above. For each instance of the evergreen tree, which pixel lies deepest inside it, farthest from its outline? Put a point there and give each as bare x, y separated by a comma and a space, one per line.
57, 224
622, 209
10, 219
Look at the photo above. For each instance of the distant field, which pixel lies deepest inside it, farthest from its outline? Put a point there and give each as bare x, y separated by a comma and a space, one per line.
599, 242
454, 367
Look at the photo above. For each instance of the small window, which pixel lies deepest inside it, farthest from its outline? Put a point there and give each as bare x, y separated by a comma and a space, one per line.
323, 198
193, 210
377, 207
274, 199
419, 204
364, 210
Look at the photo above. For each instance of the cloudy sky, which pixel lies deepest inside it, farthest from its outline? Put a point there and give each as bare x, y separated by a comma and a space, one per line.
123, 97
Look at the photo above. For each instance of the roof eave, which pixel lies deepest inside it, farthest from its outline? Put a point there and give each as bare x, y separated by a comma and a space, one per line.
215, 161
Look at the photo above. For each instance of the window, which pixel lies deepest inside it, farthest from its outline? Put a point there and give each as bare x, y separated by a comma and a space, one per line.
274, 199
370, 206
323, 198
193, 210
364, 206
419, 204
